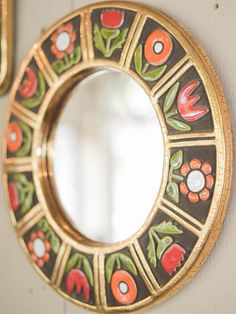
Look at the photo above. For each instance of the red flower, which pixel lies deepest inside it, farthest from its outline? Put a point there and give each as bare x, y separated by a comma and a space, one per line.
77, 279
186, 102
29, 86
13, 196
112, 18
63, 41
172, 258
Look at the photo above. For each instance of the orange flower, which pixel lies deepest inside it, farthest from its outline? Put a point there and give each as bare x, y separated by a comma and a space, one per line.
199, 180
63, 41
39, 248
158, 47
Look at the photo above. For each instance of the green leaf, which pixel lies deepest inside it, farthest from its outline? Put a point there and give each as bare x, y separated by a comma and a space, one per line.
55, 242
109, 34
177, 178
21, 192
75, 57
138, 59
72, 262
173, 191
33, 102
163, 244
110, 266
98, 40
43, 225
170, 97
27, 204
88, 270
128, 263
118, 42
27, 143
176, 160
152, 250
42, 85
21, 178
178, 125
154, 75
58, 66
167, 228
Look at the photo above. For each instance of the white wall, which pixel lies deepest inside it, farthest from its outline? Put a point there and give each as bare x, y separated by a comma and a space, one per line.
213, 290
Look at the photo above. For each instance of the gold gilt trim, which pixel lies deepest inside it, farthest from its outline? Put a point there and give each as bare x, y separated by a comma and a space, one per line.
126, 49
24, 114
135, 41
142, 272
182, 213
175, 77
30, 223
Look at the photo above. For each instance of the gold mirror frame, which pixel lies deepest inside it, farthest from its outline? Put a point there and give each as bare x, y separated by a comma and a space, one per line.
6, 44
188, 213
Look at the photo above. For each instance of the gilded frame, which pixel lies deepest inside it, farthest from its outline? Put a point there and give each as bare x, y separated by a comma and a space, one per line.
204, 148
6, 44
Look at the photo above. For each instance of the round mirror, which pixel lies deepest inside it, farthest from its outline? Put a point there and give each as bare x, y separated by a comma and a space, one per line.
108, 157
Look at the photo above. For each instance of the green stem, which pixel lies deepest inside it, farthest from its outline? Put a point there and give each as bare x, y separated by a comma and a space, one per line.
171, 174
67, 62
155, 236
108, 47
145, 68
79, 263
118, 262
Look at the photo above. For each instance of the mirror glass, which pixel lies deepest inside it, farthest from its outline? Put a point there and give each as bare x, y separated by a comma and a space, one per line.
108, 156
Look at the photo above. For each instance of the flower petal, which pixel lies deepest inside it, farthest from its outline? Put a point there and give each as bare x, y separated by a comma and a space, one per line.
193, 197
209, 181
60, 55
54, 49
30, 246
68, 27
54, 37
195, 164
47, 246
33, 236
61, 29
70, 49
183, 188
185, 169
206, 168
40, 234
46, 258
204, 195
34, 257
73, 37
40, 263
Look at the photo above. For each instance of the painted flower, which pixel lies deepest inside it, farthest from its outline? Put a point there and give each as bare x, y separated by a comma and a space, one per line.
172, 258
14, 137
13, 196
76, 279
29, 86
112, 18
63, 41
186, 103
198, 180
39, 248
158, 47
123, 287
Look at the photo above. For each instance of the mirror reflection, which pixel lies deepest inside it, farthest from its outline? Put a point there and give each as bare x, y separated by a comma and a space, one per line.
108, 157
